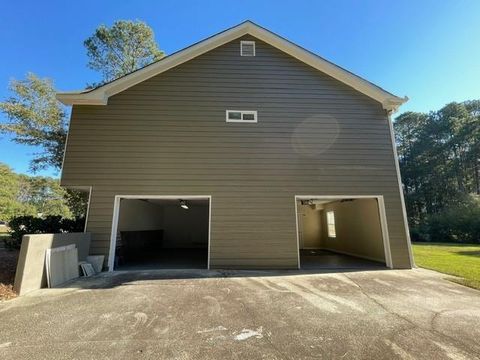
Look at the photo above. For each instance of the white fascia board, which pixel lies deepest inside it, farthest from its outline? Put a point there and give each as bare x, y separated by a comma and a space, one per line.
100, 95
82, 98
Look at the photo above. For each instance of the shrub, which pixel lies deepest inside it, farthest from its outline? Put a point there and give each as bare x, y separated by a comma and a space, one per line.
416, 234
22, 225
460, 223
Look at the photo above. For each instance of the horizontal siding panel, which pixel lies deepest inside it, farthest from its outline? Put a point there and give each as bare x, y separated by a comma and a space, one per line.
255, 103
216, 152
254, 139
174, 173
195, 99
184, 133
243, 149
177, 86
241, 191
172, 163
278, 118
168, 136
83, 161
252, 183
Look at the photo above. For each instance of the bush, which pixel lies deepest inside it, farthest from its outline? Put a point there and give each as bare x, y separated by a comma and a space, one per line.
416, 234
459, 223
22, 225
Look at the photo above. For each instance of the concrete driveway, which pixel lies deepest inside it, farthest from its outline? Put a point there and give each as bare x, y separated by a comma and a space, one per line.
410, 314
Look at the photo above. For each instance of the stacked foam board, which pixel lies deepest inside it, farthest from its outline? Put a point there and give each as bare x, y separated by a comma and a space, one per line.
61, 265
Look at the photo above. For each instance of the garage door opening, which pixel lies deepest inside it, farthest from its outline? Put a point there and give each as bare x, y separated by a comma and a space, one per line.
342, 232
160, 233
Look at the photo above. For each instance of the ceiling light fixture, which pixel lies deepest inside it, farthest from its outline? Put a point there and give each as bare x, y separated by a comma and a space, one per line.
183, 204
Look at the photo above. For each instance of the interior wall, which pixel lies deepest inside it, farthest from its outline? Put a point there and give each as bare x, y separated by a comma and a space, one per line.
139, 215
358, 229
186, 228
182, 228
311, 217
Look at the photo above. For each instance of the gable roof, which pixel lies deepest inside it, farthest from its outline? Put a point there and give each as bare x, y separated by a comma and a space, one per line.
100, 95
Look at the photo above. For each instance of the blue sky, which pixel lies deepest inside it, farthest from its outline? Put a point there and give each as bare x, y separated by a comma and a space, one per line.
427, 50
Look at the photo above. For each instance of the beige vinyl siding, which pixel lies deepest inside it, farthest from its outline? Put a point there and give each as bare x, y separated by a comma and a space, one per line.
168, 136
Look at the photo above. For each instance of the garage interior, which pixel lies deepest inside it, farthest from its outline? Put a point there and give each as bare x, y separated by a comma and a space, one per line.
162, 234
340, 234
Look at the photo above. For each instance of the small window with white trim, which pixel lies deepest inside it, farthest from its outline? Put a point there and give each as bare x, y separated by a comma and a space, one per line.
331, 224
246, 116
247, 48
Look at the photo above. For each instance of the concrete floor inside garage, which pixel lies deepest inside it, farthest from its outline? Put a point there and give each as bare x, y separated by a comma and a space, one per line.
327, 260
341, 233
162, 233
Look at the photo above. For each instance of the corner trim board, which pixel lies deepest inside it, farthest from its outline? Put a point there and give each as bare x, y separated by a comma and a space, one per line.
88, 208
400, 189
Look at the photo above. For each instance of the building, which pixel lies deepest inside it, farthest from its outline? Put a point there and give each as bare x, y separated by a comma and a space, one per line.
241, 151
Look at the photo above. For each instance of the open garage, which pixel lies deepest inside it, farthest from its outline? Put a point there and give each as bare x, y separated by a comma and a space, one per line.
342, 232
160, 233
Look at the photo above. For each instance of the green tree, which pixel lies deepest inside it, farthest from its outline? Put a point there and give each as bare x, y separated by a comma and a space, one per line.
36, 118
118, 50
409, 133
439, 156
11, 191
47, 196
22, 195
77, 202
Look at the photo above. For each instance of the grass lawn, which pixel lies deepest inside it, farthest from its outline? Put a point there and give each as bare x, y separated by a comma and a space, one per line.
453, 259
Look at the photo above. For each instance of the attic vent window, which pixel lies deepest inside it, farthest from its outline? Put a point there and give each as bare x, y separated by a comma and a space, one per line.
247, 48
243, 116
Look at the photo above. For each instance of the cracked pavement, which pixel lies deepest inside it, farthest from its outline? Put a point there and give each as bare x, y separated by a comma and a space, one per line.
180, 314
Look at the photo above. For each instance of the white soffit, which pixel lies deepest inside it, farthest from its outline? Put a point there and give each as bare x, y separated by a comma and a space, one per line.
100, 95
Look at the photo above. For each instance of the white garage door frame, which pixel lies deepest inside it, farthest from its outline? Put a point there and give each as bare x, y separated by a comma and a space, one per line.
381, 212
116, 213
